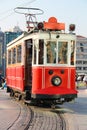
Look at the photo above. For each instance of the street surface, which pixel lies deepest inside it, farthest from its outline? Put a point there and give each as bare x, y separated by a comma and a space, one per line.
76, 112
9, 111
13, 115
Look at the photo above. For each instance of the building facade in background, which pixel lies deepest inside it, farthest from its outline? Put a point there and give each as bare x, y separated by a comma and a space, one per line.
5, 38
2, 49
11, 35
81, 55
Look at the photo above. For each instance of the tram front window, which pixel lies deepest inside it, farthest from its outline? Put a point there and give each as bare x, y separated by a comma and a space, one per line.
62, 52
41, 51
72, 52
51, 52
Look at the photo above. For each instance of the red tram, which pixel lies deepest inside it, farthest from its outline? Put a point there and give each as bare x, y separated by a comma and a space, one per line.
41, 64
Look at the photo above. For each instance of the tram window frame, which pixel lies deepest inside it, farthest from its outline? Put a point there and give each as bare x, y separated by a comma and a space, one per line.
19, 53
14, 55
9, 56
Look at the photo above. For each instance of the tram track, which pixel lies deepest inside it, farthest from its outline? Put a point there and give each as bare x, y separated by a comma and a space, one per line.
46, 119
37, 118
23, 118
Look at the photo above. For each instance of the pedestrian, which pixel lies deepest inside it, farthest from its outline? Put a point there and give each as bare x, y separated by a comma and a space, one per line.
3, 83
85, 80
78, 80
1, 79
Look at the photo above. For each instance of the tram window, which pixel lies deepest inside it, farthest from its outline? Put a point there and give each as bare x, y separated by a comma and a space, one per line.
72, 52
41, 51
51, 52
35, 50
62, 52
9, 57
19, 54
14, 56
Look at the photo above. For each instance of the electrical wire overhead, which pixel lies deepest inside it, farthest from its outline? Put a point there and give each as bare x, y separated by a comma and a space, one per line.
10, 12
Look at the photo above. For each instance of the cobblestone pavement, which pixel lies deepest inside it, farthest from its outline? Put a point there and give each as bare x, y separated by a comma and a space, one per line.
45, 120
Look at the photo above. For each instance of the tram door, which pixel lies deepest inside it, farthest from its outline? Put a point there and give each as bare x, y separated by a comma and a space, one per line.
28, 64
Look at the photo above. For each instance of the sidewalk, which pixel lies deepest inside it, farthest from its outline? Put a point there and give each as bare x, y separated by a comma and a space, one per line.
77, 112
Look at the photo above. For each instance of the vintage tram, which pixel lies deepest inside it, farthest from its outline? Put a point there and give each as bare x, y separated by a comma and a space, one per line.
41, 64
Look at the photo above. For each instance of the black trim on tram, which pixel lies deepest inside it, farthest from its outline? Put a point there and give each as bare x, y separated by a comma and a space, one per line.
52, 97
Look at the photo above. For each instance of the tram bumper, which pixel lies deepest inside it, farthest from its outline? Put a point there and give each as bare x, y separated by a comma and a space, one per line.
55, 98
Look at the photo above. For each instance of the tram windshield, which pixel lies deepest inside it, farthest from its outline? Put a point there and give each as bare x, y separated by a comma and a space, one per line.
51, 51
61, 52
57, 54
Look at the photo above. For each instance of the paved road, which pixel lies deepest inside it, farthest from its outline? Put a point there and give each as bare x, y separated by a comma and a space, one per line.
16, 116
76, 113
13, 116
9, 111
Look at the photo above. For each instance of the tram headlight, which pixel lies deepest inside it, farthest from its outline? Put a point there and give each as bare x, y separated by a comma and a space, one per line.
56, 81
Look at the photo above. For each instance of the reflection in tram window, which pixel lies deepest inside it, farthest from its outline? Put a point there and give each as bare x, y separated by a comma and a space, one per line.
9, 57
72, 52
51, 52
41, 51
14, 56
19, 54
62, 53
35, 52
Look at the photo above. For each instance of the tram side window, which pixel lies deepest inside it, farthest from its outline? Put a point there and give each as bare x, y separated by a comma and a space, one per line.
62, 52
14, 56
19, 54
51, 52
72, 52
35, 51
9, 57
41, 51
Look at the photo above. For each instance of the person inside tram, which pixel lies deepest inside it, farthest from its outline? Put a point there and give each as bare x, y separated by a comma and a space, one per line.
51, 53
72, 58
63, 53
72, 53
